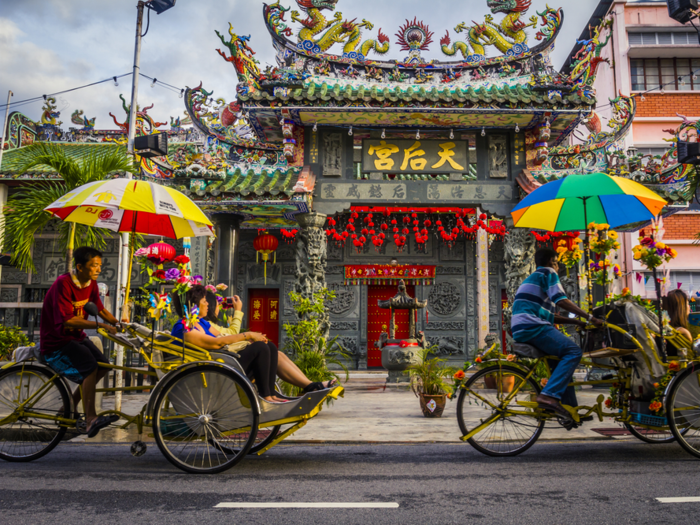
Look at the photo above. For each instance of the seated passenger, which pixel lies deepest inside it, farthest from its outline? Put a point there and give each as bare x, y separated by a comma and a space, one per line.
678, 308
287, 370
256, 358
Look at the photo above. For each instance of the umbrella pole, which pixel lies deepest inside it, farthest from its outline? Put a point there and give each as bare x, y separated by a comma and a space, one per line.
589, 285
128, 277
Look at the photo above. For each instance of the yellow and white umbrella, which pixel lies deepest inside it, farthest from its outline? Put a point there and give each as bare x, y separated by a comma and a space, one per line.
132, 206
125, 205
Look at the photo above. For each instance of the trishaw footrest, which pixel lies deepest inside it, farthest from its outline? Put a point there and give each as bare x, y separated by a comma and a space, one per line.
646, 419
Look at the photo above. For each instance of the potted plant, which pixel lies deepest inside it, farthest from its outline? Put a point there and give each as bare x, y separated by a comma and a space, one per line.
490, 356
429, 382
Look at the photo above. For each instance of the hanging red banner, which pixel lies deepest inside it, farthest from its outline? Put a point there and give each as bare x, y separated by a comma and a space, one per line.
381, 274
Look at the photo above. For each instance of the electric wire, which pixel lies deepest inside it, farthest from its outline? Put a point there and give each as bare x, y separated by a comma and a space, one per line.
44, 97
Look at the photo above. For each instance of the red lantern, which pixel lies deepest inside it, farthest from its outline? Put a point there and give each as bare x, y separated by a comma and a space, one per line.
160, 253
265, 244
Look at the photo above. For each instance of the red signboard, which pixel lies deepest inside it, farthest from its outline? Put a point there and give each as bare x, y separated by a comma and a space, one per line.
264, 313
384, 274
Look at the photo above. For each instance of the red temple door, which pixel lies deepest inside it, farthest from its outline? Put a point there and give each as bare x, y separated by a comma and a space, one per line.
264, 313
378, 320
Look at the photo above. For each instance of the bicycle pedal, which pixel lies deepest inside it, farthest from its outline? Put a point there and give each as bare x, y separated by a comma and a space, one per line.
568, 424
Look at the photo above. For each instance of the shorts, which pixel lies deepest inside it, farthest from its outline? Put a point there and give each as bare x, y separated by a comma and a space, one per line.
76, 361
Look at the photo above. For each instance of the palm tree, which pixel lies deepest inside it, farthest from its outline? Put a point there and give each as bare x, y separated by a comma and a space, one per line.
24, 213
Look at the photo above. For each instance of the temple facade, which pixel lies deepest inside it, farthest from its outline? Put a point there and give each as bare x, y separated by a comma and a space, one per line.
368, 169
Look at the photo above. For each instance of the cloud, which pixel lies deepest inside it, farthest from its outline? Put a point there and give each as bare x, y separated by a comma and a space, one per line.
49, 46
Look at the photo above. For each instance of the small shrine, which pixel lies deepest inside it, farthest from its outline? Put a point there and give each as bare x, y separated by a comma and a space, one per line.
399, 354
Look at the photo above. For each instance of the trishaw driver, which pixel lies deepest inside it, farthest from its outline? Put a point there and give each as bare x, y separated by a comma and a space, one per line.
534, 315
64, 345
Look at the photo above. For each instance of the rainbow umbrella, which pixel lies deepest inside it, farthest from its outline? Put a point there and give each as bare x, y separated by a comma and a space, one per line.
132, 206
571, 203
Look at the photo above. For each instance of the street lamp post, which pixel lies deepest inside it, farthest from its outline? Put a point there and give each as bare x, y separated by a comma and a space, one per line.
158, 6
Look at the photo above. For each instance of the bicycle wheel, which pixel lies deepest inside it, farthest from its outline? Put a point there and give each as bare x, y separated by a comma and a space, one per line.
683, 409
26, 437
510, 428
652, 436
197, 408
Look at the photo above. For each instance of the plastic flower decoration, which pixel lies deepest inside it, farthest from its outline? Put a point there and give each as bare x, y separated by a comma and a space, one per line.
570, 252
210, 288
603, 240
191, 318
653, 254
160, 303
222, 287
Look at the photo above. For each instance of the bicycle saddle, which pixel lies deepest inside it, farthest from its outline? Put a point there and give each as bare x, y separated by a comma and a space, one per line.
527, 351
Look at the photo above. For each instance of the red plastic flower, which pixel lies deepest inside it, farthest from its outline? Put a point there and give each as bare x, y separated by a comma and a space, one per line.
160, 274
674, 366
181, 259
459, 375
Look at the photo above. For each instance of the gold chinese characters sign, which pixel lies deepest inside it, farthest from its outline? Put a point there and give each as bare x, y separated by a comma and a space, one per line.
415, 156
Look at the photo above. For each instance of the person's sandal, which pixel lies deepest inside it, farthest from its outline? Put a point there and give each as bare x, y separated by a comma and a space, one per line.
100, 423
318, 385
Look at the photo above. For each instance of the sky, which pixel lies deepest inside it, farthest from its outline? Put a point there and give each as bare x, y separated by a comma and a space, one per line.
48, 46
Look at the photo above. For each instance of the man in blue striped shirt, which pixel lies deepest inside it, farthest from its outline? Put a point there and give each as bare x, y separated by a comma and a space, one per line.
534, 317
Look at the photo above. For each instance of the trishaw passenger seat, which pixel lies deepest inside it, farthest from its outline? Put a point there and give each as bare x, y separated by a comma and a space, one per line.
528, 351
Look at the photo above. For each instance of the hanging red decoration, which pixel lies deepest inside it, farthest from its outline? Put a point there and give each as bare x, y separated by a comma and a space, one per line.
160, 253
266, 245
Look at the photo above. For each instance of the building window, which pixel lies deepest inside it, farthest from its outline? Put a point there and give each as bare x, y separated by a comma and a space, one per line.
689, 282
674, 74
668, 38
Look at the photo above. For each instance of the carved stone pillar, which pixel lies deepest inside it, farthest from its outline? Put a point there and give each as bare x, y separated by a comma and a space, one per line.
228, 235
482, 286
520, 263
311, 258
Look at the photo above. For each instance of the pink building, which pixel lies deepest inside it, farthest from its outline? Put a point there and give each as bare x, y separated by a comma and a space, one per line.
657, 59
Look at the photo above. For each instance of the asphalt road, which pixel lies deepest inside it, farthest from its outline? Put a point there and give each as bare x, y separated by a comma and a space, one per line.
559, 483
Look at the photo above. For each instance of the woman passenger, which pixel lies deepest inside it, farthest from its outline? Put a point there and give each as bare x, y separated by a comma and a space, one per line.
287, 370
678, 307
256, 358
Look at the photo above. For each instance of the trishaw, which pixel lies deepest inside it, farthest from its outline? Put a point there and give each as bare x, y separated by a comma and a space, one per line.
498, 415
205, 414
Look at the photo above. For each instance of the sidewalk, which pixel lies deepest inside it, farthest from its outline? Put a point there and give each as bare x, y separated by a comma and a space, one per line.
371, 412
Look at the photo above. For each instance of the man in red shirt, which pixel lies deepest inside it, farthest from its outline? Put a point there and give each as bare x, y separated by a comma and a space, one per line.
64, 345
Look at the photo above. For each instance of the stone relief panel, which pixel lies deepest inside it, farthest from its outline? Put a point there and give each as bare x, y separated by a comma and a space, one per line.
349, 344
498, 156
344, 326
9, 295
335, 252
449, 345
345, 299
449, 270
444, 298
246, 251
13, 276
256, 273
456, 253
335, 270
451, 326
471, 298
289, 270
288, 287
286, 252
332, 155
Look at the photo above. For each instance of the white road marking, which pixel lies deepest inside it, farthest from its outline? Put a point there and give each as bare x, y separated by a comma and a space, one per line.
679, 500
316, 505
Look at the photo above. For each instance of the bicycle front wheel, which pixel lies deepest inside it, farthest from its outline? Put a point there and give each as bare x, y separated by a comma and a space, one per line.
506, 428
27, 430
683, 410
